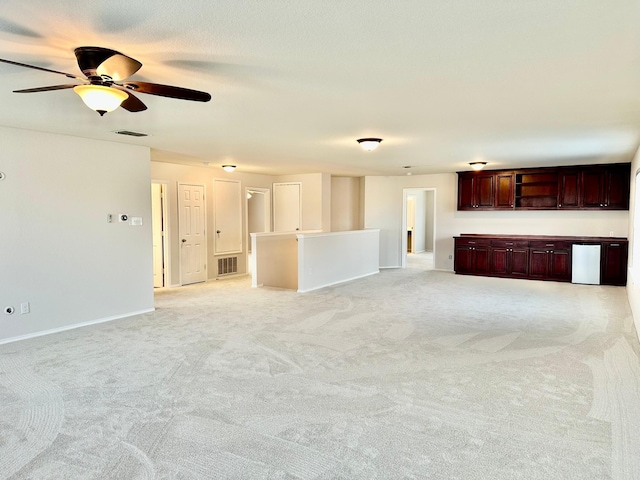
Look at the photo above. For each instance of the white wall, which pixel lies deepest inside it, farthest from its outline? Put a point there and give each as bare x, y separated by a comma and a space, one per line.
383, 206
172, 174
329, 258
345, 204
633, 277
58, 251
275, 260
316, 199
429, 210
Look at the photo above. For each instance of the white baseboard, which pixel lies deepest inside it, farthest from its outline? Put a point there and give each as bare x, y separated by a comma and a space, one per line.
72, 327
337, 283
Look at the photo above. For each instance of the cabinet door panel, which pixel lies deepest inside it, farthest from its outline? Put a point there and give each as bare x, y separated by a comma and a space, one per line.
568, 195
614, 264
465, 192
560, 265
520, 262
463, 260
538, 263
505, 190
617, 189
481, 259
499, 261
485, 190
592, 188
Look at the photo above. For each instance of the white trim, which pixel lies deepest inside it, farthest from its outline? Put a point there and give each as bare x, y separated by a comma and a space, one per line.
74, 326
267, 219
338, 283
167, 231
403, 234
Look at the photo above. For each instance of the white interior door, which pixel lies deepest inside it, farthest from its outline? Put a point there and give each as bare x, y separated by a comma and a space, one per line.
287, 209
227, 204
193, 239
158, 235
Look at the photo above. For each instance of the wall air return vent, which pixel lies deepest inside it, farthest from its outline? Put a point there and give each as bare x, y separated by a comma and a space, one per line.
227, 266
131, 134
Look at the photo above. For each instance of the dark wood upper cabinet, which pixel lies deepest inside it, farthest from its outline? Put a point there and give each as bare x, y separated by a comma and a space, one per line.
602, 187
606, 188
476, 191
505, 190
568, 189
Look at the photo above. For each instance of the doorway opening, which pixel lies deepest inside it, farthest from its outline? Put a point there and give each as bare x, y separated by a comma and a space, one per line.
419, 228
160, 229
258, 220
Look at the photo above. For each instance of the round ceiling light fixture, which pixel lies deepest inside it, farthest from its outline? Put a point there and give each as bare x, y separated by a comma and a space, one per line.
369, 144
477, 166
228, 168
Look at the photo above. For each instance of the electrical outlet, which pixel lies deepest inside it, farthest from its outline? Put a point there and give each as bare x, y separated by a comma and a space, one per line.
450, 257
25, 308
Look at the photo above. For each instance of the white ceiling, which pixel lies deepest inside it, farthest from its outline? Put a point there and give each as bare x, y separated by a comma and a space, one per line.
296, 82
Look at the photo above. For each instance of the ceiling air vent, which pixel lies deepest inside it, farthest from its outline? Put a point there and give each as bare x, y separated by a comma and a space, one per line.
131, 134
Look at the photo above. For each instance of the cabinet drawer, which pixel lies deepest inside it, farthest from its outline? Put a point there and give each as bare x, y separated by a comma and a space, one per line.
472, 242
510, 243
546, 245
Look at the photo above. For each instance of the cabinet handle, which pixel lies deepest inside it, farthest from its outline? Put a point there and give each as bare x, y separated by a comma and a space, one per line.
549, 244
601, 205
559, 205
614, 245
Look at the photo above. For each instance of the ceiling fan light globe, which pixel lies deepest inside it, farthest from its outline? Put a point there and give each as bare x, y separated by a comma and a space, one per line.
100, 98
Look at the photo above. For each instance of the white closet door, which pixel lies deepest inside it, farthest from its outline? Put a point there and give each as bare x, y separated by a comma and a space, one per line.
193, 239
227, 203
287, 210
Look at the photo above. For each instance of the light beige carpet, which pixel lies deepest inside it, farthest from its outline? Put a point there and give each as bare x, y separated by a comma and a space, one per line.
405, 374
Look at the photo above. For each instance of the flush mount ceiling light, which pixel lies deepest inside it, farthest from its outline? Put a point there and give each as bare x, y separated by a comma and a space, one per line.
369, 144
100, 98
477, 166
228, 168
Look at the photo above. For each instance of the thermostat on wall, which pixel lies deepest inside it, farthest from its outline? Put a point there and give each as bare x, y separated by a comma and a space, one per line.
136, 221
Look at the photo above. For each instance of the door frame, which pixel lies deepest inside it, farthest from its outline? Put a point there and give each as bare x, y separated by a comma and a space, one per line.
206, 229
403, 244
268, 223
166, 240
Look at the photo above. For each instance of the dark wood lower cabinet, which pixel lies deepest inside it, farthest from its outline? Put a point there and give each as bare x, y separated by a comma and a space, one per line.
509, 259
613, 268
550, 260
536, 258
472, 258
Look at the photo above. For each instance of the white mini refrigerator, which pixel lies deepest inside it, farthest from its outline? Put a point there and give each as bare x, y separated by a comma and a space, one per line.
585, 264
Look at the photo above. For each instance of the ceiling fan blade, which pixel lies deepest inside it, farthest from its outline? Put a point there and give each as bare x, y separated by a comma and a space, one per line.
98, 61
133, 104
168, 91
46, 89
69, 75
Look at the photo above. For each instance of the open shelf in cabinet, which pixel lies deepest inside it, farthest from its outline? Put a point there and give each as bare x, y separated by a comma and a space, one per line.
537, 190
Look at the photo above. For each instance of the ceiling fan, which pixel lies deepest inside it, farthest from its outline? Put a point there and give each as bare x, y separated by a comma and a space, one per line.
104, 89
